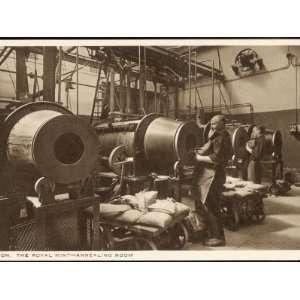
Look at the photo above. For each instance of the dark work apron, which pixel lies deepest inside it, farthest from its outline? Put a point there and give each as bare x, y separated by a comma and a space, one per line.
204, 177
254, 171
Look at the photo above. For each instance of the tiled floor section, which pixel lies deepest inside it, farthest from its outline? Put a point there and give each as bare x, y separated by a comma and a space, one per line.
280, 229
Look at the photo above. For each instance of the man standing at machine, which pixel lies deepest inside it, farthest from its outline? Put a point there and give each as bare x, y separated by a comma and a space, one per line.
210, 177
256, 148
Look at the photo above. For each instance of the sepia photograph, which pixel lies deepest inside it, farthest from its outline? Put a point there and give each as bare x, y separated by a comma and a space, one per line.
149, 149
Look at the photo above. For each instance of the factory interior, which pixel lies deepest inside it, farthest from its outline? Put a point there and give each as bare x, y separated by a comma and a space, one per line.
108, 148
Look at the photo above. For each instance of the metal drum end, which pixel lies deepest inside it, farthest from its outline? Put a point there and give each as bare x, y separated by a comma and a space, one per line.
188, 137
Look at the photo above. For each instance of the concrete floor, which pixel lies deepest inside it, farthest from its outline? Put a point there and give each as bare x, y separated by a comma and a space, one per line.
279, 230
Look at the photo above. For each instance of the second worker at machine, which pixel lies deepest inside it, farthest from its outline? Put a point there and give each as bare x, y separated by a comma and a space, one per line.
209, 178
256, 150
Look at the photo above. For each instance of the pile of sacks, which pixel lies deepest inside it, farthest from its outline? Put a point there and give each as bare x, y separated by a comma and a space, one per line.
236, 187
144, 209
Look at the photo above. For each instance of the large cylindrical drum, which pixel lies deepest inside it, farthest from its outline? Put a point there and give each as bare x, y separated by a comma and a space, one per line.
239, 137
167, 141
111, 140
273, 143
56, 143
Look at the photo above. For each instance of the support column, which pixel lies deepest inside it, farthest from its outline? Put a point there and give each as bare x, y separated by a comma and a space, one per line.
128, 94
176, 102
122, 92
155, 96
21, 74
112, 91
49, 66
142, 88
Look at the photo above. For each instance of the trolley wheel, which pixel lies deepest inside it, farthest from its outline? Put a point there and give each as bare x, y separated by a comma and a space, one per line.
274, 190
233, 219
143, 244
259, 214
118, 154
180, 236
106, 239
259, 218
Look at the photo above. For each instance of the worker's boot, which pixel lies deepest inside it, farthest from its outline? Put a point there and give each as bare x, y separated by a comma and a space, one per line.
216, 236
214, 242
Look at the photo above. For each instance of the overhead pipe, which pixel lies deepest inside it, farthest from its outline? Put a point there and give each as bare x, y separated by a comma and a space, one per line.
14, 72
285, 67
176, 56
235, 106
4, 100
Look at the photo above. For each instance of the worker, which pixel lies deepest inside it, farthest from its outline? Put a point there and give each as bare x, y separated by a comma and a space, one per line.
256, 147
209, 178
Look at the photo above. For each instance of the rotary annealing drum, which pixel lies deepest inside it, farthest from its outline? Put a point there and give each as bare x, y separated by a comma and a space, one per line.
273, 141
239, 137
52, 140
111, 140
167, 141
129, 134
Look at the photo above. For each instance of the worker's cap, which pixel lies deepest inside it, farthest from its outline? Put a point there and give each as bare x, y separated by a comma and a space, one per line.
218, 118
261, 128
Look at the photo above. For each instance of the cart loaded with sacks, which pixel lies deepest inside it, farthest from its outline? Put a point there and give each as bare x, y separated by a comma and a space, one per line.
242, 203
141, 222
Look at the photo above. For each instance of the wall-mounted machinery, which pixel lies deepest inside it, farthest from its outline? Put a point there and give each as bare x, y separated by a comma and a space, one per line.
246, 62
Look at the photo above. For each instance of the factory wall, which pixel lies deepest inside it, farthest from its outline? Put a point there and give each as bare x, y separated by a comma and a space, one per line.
271, 92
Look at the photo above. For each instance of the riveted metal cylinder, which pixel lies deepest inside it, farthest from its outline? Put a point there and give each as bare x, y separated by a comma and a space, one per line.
273, 140
49, 138
167, 141
239, 137
129, 134
110, 140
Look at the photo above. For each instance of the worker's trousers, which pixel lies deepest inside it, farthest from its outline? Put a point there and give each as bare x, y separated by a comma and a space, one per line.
210, 209
254, 171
